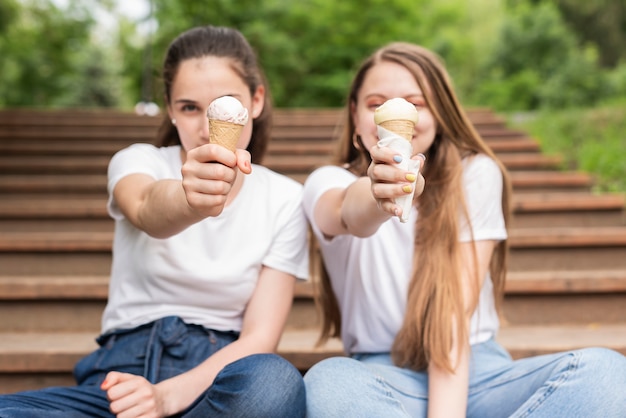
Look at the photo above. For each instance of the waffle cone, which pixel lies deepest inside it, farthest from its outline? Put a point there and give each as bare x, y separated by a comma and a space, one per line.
402, 127
224, 133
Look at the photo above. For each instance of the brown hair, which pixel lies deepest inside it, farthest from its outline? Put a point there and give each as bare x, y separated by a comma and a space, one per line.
435, 302
218, 42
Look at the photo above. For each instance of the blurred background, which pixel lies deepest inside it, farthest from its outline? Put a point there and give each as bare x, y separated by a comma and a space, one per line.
556, 68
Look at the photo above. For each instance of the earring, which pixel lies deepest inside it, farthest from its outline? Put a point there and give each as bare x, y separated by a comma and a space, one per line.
173, 121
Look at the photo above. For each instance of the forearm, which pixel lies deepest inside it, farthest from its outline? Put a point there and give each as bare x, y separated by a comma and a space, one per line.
181, 391
360, 212
447, 392
164, 210
263, 323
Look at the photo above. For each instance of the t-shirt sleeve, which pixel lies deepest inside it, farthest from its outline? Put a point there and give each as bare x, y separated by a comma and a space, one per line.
137, 158
319, 182
483, 184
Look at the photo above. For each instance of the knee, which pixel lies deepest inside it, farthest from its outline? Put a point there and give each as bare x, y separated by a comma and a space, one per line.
603, 366
331, 371
602, 378
334, 380
274, 386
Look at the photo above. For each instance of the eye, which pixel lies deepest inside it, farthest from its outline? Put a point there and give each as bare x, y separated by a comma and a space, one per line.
188, 107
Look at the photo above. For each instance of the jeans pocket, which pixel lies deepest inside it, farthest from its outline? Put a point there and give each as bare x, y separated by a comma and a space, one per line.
122, 352
86, 370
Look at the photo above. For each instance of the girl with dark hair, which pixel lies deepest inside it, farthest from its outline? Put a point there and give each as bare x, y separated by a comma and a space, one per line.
207, 247
416, 303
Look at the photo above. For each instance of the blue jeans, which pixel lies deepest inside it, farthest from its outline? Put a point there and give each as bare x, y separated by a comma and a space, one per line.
583, 383
260, 385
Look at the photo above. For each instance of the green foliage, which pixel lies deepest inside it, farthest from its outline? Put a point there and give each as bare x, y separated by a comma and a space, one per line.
49, 60
537, 63
602, 22
506, 54
309, 48
8, 11
591, 140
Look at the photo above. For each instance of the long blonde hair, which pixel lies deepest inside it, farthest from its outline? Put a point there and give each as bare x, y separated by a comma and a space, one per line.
435, 302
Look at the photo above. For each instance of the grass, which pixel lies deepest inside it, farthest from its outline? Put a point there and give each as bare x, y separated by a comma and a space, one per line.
589, 140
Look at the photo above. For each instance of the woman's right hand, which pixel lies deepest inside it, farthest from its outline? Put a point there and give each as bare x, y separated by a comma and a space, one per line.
209, 174
390, 182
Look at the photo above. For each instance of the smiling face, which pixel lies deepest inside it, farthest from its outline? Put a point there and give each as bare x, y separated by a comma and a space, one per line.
387, 80
197, 83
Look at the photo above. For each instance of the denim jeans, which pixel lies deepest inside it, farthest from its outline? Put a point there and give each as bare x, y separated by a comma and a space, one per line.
583, 383
260, 385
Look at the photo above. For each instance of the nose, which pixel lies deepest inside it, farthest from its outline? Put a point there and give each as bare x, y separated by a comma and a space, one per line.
204, 129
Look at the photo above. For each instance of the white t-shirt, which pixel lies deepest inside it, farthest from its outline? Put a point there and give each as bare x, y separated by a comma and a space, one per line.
205, 274
370, 276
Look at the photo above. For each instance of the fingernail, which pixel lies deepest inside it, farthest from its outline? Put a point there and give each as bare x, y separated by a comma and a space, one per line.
410, 177
422, 155
407, 189
396, 212
397, 158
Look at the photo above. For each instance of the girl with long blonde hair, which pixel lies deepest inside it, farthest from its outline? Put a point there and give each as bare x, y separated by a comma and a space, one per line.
416, 304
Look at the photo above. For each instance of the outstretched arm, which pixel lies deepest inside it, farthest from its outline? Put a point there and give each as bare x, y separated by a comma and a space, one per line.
263, 323
368, 202
166, 207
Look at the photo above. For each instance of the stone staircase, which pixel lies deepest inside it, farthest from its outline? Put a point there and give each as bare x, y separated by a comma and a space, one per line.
566, 286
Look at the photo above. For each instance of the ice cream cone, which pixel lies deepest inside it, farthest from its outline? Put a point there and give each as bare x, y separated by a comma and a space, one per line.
224, 133
401, 127
396, 120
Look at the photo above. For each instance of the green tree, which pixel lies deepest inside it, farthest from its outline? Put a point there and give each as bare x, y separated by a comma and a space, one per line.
50, 59
539, 63
601, 22
309, 49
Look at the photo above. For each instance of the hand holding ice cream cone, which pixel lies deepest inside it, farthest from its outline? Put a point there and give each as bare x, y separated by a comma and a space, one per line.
227, 117
396, 120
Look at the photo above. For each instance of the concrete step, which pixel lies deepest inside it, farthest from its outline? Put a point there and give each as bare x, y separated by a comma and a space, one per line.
107, 117
523, 182
287, 163
144, 133
277, 146
88, 252
60, 213
550, 181
567, 248
63, 147
288, 130
35, 360
538, 240
75, 302
49, 184
55, 263
560, 297
48, 224
536, 210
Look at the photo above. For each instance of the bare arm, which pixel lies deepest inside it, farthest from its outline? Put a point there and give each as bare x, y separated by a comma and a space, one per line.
367, 203
352, 210
447, 393
165, 207
263, 324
